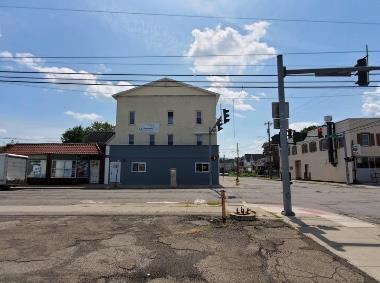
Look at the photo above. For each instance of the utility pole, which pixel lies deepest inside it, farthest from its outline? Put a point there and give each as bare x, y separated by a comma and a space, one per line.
286, 193
237, 164
268, 124
209, 156
345, 158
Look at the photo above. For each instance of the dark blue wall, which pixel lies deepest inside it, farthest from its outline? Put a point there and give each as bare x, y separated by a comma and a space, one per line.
160, 159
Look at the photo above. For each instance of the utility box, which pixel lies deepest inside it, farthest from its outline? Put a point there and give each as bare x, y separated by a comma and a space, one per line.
13, 170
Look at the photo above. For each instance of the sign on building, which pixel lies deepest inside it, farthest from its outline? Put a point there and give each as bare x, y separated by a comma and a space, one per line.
356, 150
151, 128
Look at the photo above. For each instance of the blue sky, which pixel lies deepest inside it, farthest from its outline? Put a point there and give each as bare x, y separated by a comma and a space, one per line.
41, 114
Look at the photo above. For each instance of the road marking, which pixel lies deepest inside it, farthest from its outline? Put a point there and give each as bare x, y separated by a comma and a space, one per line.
162, 202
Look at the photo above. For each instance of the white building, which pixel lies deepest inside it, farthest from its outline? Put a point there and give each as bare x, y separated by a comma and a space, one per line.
309, 159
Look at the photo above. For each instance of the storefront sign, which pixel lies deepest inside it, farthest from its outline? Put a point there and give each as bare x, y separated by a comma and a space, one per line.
149, 128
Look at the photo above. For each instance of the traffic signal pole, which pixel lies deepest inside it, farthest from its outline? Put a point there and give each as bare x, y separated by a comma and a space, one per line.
286, 193
362, 70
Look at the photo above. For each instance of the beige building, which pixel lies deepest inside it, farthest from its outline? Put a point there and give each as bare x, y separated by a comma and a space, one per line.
162, 108
162, 136
309, 159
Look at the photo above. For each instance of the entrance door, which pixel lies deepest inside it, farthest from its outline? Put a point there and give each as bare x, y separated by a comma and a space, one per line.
298, 170
173, 177
115, 168
94, 171
306, 177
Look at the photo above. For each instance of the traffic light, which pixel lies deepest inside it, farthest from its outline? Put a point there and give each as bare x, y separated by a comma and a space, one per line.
219, 124
363, 76
226, 115
290, 133
320, 132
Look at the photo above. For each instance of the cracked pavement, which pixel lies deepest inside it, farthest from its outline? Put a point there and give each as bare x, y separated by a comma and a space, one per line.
162, 249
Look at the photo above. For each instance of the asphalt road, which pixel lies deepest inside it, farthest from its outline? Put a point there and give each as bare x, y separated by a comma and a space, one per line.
162, 249
355, 201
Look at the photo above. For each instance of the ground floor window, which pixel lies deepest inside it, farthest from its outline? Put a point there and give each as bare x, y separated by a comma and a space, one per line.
138, 166
36, 168
202, 167
82, 169
63, 168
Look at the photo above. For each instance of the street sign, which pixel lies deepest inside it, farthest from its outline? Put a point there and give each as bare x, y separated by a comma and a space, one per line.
356, 150
276, 124
276, 110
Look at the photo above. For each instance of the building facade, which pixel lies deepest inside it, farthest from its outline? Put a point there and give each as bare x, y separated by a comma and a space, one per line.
61, 163
162, 136
355, 150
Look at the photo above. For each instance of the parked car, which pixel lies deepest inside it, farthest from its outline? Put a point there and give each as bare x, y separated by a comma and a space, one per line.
12, 170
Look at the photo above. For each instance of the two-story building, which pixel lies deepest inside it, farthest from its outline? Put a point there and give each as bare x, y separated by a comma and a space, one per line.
355, 149
162, 136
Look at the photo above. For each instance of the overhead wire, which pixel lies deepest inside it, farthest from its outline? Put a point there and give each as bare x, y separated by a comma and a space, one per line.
295, 20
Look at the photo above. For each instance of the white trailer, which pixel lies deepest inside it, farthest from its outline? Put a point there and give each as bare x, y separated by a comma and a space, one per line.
12, 170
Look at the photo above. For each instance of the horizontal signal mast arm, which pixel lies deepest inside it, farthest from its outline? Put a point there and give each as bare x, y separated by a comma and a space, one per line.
344, 71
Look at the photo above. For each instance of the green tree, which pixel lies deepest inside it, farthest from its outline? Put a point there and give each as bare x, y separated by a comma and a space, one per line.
78, 134
74, 135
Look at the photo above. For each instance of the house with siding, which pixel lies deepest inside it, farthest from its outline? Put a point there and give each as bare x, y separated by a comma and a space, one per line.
162, 136
356, 143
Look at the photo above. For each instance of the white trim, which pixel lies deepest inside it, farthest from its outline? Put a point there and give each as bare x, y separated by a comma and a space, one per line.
138, 162
195, 167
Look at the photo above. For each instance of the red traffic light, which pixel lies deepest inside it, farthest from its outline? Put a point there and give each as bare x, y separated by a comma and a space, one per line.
320, 132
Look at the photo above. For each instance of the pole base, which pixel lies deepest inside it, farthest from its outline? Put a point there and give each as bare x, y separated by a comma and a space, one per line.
291, 213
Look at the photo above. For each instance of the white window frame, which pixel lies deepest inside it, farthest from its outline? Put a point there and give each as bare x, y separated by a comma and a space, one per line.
63, 177
138, 162
195, 167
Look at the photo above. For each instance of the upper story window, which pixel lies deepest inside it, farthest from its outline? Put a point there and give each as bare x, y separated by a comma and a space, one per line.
199, 139
364, 139
170, 139
170, 117
131, 139
294, 150
199, 117
132, 117
313, 146
151, 139
304, 148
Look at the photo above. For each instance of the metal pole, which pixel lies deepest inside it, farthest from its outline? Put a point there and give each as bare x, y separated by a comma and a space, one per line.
237, 164
287, 198
269, 150
345, 159
223, 197
209, 158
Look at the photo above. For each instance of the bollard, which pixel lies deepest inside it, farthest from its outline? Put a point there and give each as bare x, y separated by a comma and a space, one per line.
223, 197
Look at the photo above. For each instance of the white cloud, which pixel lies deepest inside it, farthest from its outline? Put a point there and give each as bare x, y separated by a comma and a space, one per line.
3, 131
84, 116
298, 126
371, 103
85, 77
228, 41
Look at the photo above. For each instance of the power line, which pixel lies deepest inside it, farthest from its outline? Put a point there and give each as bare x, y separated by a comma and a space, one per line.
187, 56
137, 74
193, 16
179, 86
184, 81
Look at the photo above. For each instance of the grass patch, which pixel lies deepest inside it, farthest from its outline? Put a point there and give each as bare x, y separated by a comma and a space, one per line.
214, 202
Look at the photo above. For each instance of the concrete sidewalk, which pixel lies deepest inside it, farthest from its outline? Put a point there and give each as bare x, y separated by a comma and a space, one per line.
354, 240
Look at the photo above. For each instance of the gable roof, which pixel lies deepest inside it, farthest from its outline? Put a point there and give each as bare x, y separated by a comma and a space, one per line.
54, 148
98, 137
162, 83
